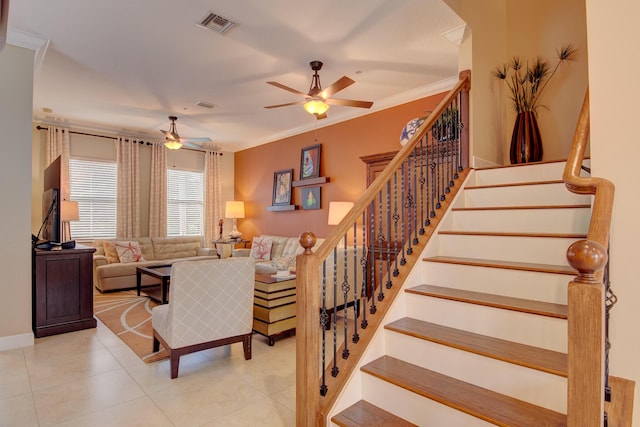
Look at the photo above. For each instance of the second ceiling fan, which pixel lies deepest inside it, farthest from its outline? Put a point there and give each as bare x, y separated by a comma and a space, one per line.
317, 100
173, 140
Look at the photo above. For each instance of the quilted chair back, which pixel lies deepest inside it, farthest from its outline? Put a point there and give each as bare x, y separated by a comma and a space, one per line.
210, 300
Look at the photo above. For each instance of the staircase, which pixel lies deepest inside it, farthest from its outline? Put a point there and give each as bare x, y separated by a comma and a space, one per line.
479, 336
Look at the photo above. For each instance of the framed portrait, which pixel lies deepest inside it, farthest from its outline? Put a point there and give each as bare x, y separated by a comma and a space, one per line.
282, 187
310, 162
311, 198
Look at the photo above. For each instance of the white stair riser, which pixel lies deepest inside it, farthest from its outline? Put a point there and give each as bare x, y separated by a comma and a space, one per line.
523, 173
414, 408
543, 250
539, 388
539, 331
533, 285
529, 195
520, 220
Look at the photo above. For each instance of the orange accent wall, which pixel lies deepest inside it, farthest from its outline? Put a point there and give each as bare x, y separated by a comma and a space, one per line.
342, 146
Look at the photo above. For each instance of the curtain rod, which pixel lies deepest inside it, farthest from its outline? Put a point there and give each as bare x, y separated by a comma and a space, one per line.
127, 140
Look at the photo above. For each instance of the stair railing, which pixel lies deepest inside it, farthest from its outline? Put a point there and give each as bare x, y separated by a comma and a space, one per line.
586, 293
347, 285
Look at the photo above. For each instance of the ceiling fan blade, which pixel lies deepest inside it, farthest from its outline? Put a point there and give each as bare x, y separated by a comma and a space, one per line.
284, 105
287, 88
321, 116
349, 103
188, 140
337, 86
187, 144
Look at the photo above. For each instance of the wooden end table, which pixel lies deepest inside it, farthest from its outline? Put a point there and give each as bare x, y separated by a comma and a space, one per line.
274, 306
162, 272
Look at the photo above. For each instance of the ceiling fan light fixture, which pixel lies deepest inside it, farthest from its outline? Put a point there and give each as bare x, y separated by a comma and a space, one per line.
172, 144
316, 106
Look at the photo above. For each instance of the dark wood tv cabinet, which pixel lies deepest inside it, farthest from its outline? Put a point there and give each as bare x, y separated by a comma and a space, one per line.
62, 287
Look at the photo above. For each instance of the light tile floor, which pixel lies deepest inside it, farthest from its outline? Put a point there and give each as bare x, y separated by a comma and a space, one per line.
91, 378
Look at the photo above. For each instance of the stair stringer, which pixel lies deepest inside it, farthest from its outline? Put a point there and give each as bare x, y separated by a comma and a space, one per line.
352, 391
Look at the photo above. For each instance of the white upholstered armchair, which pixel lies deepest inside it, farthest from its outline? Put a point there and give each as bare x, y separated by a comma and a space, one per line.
210, 305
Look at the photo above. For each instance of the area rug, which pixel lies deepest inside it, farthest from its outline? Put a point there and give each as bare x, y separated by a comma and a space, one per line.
129, 317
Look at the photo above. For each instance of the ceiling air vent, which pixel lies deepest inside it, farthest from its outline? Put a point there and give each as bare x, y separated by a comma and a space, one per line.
216, 23
205, 104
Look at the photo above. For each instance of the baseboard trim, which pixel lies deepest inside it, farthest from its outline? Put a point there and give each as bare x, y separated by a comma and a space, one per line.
16, 341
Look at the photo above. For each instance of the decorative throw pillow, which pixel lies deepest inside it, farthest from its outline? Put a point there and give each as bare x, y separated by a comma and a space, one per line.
129, 251
110, 252
261, 248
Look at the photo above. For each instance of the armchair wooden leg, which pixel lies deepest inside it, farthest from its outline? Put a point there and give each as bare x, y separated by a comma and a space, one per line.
174, 361
156, 344
246, 345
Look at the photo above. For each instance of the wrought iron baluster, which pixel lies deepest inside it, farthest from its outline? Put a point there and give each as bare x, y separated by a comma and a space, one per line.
415, 197
403, 260
388, 239
408, 206
422, 181
372, 256
396, 218
335, 370
345, 294
365, 276
324, 318
356, 302
380, 240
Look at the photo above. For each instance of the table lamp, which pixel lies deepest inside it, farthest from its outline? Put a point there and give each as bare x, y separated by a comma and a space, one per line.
234, 209
68, 212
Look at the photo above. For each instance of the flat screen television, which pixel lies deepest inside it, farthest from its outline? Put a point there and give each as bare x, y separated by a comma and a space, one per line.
51, 229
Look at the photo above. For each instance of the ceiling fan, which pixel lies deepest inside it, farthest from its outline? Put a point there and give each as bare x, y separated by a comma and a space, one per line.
173, 141
317, 100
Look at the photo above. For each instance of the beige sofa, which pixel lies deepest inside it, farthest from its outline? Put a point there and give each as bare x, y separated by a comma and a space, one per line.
110, 274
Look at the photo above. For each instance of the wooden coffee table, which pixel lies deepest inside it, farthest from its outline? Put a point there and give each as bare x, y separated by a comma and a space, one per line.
162, 272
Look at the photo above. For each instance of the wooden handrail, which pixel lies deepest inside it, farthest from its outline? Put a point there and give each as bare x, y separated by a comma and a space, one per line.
311, 408
586, 294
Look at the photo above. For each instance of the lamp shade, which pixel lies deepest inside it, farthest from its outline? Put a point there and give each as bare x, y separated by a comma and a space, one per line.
337, 211
69, 211
316, 106
234, 209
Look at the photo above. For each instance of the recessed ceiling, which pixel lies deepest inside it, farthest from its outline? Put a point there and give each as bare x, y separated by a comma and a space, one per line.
125, 66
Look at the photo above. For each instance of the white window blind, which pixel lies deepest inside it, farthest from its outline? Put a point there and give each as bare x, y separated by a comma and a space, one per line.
184, 202
94, 186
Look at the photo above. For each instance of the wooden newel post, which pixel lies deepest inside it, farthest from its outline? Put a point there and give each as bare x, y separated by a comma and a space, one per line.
586, 317
308, 334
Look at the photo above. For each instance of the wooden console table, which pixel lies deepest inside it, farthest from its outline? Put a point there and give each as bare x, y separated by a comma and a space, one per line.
62, 285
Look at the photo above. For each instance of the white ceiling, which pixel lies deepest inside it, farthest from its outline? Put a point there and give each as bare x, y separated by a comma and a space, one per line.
125, 65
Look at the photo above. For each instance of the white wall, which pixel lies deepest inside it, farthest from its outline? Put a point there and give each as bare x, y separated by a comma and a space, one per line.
615, 153
16, 94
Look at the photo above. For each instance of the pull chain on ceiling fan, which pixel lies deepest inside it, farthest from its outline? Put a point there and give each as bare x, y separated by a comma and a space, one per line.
317, 100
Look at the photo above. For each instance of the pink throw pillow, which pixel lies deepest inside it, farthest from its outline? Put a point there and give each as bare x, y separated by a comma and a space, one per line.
129, 251
261, 248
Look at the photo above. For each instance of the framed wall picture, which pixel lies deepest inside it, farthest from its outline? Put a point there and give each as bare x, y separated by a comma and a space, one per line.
311, 198
310, 162
282, 187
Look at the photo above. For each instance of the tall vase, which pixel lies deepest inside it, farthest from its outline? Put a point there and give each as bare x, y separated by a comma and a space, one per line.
526, 144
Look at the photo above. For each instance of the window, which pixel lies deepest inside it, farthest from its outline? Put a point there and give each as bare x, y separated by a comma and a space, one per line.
94, 186
184, 203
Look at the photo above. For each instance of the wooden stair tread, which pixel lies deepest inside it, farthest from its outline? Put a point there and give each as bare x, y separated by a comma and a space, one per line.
485, 404
514, 234
541, 359
511, 265
490, 300
496, 208
365, 414
514, 184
